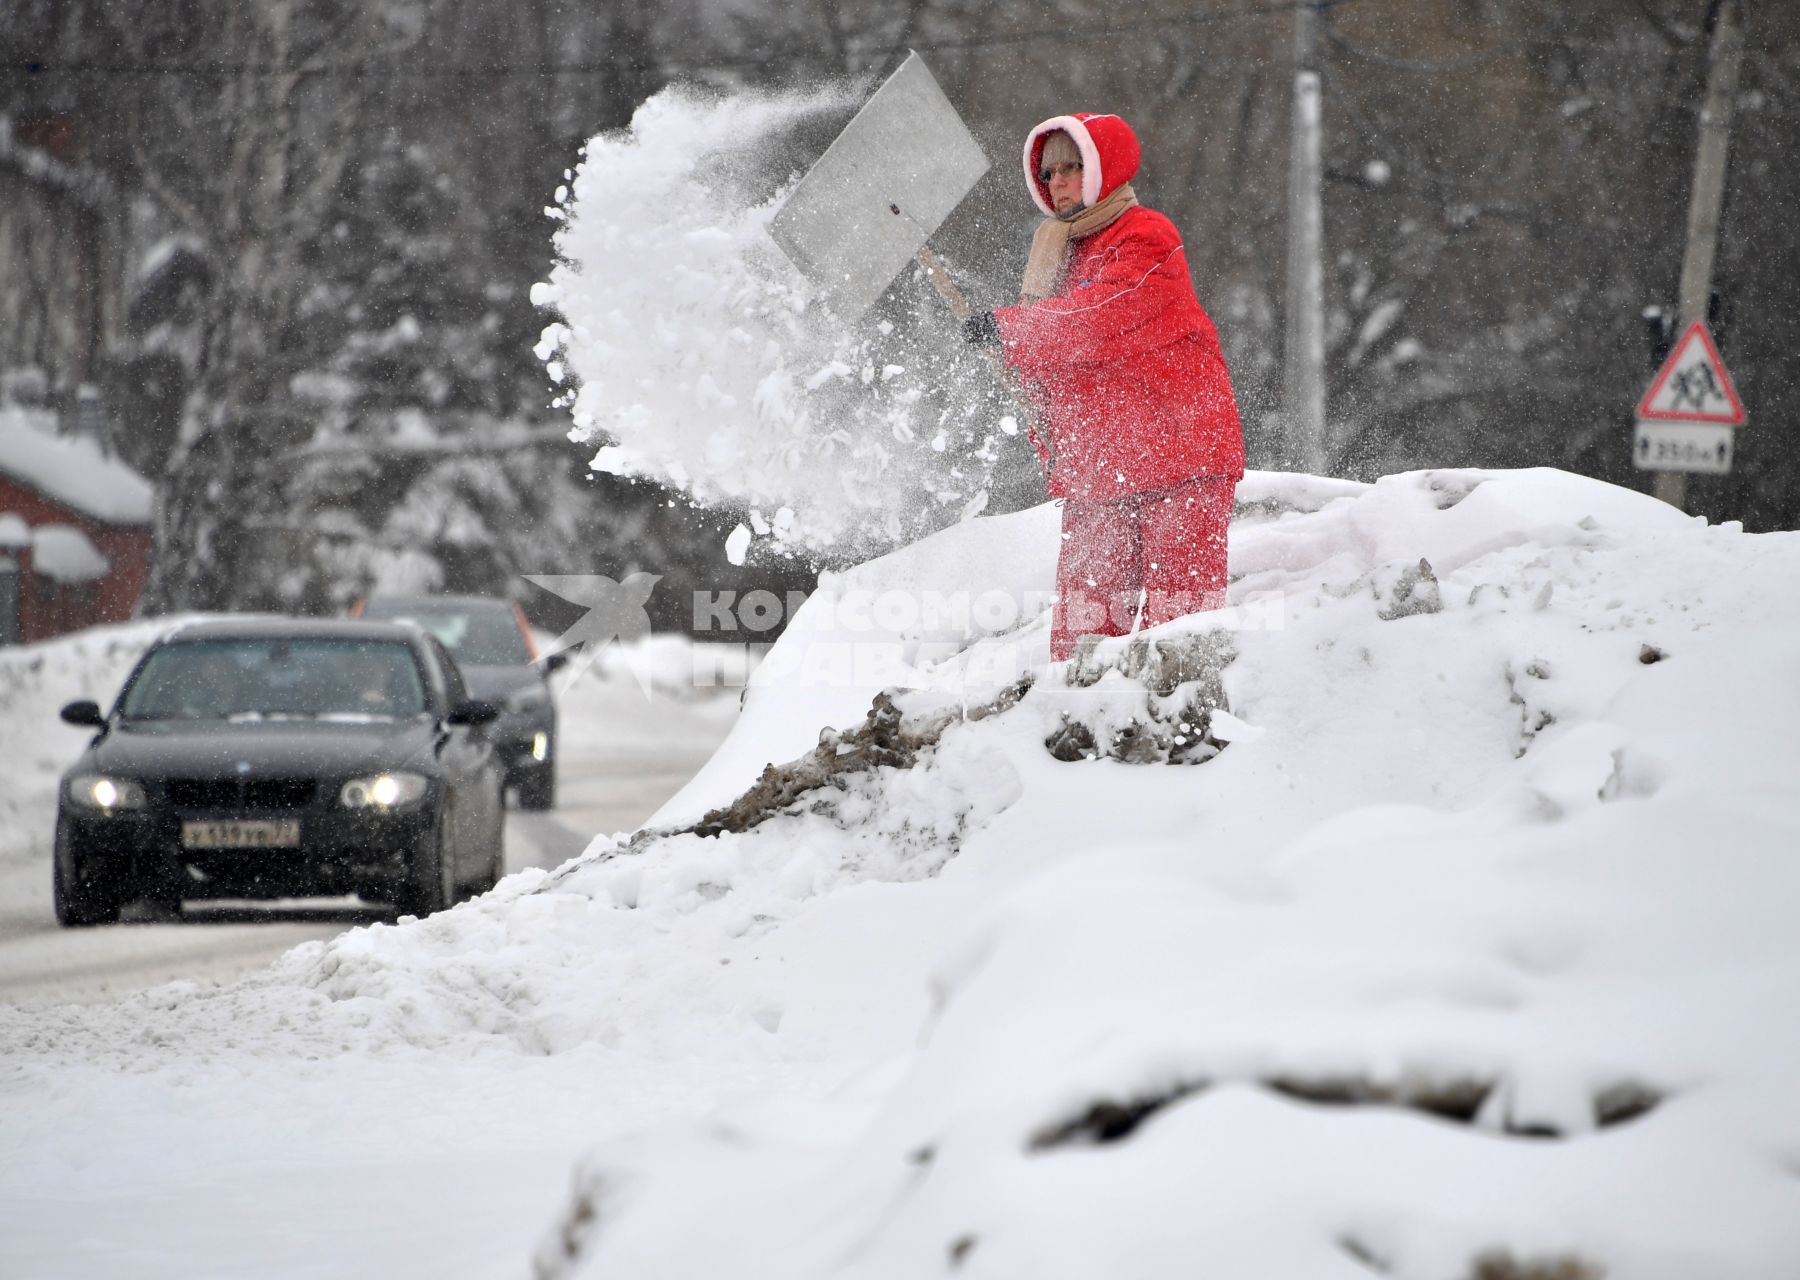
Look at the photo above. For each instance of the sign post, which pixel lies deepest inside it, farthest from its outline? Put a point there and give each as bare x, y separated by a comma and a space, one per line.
1725, 55
1687, 418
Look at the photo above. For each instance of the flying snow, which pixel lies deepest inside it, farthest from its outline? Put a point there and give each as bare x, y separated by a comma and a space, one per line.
695, 355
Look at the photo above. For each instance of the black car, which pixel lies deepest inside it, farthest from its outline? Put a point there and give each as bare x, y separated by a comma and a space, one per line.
278, 757
493, 646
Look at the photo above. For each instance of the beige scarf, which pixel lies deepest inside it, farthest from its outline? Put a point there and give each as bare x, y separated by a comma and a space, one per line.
1050, 243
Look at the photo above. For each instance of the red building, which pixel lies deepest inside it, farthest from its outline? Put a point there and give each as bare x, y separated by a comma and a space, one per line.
74, 530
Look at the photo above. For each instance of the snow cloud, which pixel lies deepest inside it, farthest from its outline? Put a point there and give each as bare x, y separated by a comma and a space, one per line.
693, 354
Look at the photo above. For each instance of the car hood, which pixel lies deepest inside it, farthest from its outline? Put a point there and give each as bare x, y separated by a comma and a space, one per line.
278, 748
492, 684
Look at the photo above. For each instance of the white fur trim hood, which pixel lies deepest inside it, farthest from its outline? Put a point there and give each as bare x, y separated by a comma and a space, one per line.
1090, 162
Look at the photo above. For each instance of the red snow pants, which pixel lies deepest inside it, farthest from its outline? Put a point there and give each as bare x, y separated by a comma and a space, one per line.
1163, 551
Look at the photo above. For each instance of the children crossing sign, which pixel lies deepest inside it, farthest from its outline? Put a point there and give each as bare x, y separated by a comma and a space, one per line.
1685, 420
1692, 385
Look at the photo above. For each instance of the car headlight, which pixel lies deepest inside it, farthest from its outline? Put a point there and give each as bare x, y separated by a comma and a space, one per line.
383, 791
530, 698
105, 793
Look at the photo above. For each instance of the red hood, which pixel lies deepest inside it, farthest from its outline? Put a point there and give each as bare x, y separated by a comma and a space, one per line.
1109, 156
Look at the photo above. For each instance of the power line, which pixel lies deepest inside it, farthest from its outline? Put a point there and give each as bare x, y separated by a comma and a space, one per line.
390, 66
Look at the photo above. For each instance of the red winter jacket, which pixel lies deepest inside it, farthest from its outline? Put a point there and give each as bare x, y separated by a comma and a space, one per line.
1122, 364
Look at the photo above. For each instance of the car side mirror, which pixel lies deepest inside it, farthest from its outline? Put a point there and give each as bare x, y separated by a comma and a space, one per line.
85, 713
556, 661
473, 711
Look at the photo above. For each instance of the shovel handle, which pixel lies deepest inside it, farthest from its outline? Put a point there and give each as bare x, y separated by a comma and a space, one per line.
959, 307
941, 281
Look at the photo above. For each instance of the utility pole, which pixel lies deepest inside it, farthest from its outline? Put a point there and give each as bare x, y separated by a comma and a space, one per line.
1305, 349
1725, 56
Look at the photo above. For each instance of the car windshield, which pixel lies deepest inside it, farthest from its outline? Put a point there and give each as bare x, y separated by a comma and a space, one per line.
272, 678
477, 637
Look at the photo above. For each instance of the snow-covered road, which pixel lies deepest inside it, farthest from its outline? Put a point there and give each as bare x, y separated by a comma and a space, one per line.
422, 1164
220, 941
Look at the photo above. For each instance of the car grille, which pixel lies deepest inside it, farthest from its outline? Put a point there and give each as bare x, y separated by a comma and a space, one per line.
242, 793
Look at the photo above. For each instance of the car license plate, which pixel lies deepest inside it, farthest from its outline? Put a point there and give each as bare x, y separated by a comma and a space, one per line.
284, 834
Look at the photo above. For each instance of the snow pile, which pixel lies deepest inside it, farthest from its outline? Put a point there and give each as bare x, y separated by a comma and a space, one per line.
702, 359
1468, 953
674, 666
36, 682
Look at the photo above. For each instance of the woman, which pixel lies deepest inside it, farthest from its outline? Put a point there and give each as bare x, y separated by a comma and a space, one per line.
1137, 428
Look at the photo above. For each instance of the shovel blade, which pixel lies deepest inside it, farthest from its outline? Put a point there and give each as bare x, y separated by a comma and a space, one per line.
888, 181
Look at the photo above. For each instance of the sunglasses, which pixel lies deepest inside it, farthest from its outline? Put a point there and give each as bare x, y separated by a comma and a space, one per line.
1050, 171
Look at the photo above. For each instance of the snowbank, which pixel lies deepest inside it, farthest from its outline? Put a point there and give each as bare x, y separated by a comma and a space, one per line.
36, 681
1476, 936
1472, 948
674, 666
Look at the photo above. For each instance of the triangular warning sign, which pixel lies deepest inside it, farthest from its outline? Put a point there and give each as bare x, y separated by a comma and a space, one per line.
1692, 385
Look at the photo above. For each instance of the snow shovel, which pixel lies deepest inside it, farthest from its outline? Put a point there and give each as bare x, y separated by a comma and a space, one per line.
883, 187
871, 203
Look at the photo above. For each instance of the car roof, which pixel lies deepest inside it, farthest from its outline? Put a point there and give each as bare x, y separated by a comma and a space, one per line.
438, 602
273, 626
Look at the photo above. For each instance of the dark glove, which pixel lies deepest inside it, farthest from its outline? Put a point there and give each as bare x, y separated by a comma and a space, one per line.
982, 330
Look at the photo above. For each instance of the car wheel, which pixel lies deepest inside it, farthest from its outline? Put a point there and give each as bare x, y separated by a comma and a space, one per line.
82, 899
537, 789
431, 887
